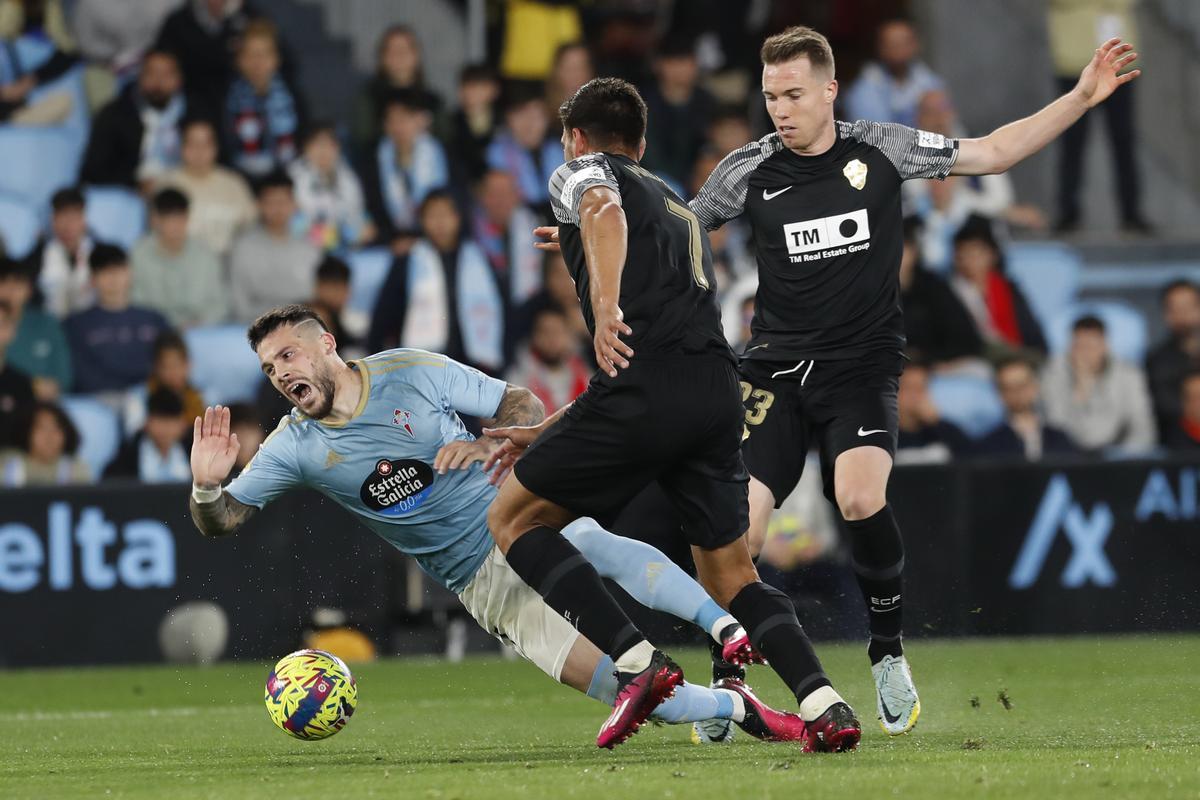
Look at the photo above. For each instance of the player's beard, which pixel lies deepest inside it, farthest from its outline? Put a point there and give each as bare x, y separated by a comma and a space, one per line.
325, 387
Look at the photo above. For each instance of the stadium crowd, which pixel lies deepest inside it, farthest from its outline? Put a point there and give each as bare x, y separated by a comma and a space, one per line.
199, 128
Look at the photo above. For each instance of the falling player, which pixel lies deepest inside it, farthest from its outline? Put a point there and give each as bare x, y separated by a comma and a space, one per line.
382, 437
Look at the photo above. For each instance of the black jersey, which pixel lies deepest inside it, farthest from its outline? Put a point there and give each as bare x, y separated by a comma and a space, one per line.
827, 231
667, 286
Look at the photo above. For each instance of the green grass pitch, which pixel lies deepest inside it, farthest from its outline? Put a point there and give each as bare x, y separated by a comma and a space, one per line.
1111, 717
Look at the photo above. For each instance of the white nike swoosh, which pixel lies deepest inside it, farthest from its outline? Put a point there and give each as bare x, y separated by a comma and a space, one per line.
769, 195
861, 432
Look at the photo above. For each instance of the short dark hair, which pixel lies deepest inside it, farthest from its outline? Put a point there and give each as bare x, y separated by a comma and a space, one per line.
1088, 322
1188, 377
518, 95
268, 323
190, 122
609, 111
11, 269
275, 179
160, 52
408, 99
24, 434
316, 129
1015, 360
104, 256
436, 196
799, 41
676, 45
333, 270
478, 73
65, 199
168, 341
170, 201
977, 228
1178, 283
164, 403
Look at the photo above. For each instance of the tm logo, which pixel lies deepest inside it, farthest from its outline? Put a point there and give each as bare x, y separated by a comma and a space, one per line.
1087, 534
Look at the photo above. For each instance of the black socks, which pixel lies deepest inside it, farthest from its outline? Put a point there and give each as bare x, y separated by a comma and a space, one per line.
571, 586
878, 555
770, 617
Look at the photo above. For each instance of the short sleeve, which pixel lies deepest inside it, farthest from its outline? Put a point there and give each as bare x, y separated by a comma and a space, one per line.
572, 179
270, 473
914, 153
723, 195
468, 391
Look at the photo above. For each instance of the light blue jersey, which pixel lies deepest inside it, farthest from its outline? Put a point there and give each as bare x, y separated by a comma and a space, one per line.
379, 464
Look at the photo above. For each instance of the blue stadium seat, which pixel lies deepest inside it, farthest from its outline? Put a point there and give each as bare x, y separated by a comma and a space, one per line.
368, 270
37, 163
224, 368
115, 215
970, 402
19, 226
1048, 274
99, 430
1125, 325
78, 123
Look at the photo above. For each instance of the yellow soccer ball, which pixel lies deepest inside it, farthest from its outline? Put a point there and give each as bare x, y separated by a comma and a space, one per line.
310, 694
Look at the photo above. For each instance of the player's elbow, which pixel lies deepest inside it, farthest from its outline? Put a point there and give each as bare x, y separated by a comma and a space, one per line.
997, 159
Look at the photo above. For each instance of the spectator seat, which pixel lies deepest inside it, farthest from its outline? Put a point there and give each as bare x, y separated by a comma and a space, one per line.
19, 227
115, 215
99, 430
968, 401
368, 270
224, 368
1048, 274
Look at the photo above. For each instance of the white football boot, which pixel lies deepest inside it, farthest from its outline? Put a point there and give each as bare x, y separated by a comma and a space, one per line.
895, 696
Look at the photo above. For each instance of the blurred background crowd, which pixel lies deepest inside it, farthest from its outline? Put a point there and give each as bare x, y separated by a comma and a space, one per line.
172, 168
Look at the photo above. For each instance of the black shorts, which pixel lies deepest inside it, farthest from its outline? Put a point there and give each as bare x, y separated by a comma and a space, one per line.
677, 421
835, 405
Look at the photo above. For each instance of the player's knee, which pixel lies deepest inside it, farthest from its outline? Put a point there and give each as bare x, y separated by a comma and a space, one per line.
858, 502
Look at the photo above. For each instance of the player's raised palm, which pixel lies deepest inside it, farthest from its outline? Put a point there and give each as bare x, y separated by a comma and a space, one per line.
1101, 77
214, 448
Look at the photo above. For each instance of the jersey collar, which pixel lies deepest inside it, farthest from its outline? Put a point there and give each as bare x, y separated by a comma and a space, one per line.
365, 377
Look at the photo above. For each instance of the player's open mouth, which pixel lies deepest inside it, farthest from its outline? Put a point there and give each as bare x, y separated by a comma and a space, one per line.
299, 391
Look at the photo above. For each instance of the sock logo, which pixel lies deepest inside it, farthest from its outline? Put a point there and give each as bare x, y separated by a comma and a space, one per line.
1087, 533
882, 605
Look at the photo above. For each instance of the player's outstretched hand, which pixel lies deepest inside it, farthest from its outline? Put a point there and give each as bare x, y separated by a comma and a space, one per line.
549, 236
462, 454
1101, 77
611, 352
214, 448
514, 440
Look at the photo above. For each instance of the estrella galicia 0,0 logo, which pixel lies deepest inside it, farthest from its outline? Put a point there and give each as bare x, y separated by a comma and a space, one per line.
397, 487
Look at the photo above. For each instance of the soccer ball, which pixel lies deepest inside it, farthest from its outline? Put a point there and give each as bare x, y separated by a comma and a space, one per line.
310, 694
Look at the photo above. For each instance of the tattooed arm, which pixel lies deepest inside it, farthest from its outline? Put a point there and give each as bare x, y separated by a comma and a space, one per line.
214, 450
219, 517
518, 407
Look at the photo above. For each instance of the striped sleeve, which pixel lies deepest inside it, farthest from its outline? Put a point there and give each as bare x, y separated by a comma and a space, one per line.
914, 153
723, 195
571, 180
